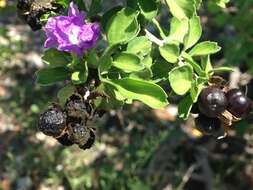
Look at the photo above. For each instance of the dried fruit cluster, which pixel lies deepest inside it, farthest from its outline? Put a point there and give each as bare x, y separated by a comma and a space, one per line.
32, 10
219, 108
69, 124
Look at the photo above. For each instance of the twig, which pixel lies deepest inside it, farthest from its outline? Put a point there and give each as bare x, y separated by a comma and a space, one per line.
154, 39
187, 176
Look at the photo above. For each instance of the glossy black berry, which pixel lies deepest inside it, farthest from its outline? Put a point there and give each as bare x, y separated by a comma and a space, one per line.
81, 135
212, 101
209, 126
238, 104
64, 140
52, 122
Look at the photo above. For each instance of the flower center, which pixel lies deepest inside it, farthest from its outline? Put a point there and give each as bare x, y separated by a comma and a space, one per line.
73, 35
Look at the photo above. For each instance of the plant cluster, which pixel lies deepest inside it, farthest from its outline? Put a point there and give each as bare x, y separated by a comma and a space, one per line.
134, 58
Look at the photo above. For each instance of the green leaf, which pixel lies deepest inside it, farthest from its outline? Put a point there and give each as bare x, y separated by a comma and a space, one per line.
140, 45
180, 79
108, 15
221, 3
178, 29
55, 58
128, 62
184, 107
194, 34
197, 87
95, 7
80, 75
146, 92
122, 27
64, 3
206, 64
64, 93
188, 59
105, 64
50, 76
170, 52
222, 69
92, 59
205, 48
181, 9
148, 9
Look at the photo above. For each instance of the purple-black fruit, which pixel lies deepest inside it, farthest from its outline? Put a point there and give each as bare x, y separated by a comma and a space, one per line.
64, 140
52, 122
238, 104
212, 101
209, 126
77, 107
81, 135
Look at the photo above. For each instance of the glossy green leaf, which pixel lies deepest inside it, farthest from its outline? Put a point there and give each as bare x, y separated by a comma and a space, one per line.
146, 92
170, 52
180, 79
184, 107
128, 62
55, 58
197, 87
197, 68
181, 9
206, 64
140, 45
148, 9
50, 76
122, 27
205, 48
80, 75
64, 93
194, 33
178, 29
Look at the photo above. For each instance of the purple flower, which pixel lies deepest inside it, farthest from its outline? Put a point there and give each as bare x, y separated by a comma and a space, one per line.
71, 33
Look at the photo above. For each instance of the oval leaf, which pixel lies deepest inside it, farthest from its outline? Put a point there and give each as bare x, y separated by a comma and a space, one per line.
180, 79
128, 62
181, 8
205, 48
194, 33
146, 92
170, 52
50, 76
122, 27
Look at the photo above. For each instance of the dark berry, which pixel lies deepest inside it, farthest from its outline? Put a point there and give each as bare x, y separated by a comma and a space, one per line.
31, 11
238, 104
81, 135
212, 101
64, 140
209, 126
77, 107
52, 122
24, 4
90, 141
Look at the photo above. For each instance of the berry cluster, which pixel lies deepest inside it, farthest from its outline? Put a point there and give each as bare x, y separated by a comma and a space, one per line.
69, 124
32, 10
220, 108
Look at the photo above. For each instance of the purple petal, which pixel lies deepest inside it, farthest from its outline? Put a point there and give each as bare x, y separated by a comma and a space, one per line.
71, 33
71, 48
78, 17
50, 43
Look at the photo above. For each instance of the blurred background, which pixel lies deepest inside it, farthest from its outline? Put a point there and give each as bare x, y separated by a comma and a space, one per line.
136, 148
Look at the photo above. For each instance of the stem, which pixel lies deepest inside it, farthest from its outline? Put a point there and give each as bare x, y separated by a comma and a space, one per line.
158, 26
153, 38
